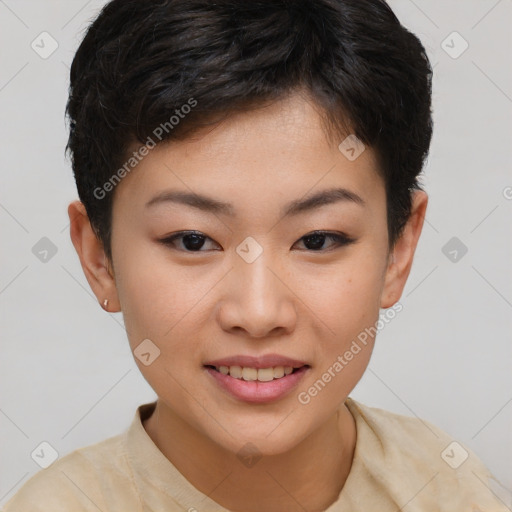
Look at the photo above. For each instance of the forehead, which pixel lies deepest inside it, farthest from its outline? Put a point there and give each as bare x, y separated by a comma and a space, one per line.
273, 153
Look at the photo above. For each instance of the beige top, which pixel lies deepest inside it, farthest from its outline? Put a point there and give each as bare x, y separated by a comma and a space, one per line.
400, 463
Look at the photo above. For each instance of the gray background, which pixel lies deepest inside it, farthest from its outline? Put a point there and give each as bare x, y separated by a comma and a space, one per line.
67, 374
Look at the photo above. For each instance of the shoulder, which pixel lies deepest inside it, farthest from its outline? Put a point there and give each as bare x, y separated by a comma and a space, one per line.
397, 430
406, 454
77, 481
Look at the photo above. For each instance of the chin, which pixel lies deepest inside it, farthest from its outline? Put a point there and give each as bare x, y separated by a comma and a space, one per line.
259, 442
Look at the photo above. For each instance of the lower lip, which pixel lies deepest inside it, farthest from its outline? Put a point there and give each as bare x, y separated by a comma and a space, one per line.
255, 391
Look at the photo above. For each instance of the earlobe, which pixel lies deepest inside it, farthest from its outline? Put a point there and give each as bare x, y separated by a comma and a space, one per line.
401, 258
92, 257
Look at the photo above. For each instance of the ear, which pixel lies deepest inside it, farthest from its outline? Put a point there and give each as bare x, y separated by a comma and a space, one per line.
401, 257
92, 257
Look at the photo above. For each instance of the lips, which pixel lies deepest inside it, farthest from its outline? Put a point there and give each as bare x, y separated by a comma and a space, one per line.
257, 379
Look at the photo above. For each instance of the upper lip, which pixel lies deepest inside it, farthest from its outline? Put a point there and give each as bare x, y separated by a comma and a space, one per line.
265, 361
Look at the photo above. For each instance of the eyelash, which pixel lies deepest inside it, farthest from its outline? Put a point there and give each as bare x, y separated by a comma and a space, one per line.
340, 238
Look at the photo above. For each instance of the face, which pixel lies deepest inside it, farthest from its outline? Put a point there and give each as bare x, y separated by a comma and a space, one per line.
242, 271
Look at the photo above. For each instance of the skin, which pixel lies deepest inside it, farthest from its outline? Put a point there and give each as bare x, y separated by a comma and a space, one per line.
292, 300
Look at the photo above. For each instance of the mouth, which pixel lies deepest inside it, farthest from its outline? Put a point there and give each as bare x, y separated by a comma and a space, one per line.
248, 373
256, 380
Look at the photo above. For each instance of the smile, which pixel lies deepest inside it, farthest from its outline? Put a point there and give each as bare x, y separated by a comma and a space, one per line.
260, 374
256, 385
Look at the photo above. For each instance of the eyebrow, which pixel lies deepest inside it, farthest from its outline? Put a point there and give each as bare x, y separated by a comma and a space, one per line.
296, 207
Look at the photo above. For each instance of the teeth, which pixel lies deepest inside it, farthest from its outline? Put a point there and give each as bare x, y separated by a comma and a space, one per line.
250, 374
261, 374
265, 374
235, 371
278, 372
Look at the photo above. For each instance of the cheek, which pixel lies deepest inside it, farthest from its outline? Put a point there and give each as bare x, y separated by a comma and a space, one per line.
347, 300
347, 303
346, 297
158, 304
160, 300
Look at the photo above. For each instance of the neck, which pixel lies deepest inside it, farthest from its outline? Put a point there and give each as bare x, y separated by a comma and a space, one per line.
308, 477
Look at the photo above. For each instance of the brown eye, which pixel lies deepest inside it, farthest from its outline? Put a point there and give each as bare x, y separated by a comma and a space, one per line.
194, 241
315, 241
191, 241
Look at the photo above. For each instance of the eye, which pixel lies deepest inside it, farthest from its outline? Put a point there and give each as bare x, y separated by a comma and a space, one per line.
315, 240
193, 241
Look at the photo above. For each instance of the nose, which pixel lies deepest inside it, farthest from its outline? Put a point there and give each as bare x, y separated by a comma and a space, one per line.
257, 300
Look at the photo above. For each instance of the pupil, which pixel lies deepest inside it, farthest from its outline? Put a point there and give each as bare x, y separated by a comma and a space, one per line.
197, 241
316, 239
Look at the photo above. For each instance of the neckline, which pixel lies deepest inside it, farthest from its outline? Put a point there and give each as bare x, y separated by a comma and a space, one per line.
154, 473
